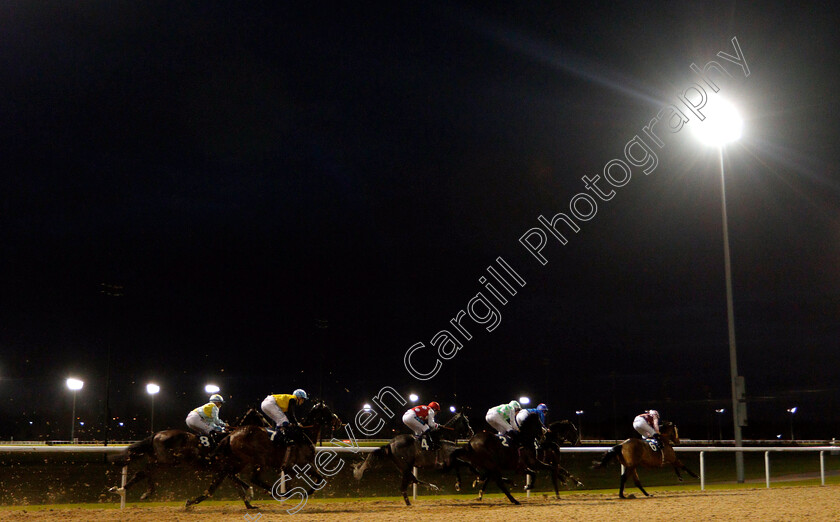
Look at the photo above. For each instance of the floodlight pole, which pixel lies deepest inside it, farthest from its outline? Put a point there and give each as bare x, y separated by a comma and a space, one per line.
730, 316
73, 423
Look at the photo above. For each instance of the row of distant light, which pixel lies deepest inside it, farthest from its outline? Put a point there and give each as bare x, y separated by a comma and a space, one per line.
413, 397
151, 388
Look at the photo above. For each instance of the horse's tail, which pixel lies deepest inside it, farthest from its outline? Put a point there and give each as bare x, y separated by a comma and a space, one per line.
608, 457
137, 449
373, 459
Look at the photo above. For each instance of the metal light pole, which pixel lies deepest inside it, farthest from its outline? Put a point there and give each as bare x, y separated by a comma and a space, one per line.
792, 412
579, 414
722, 125
74, 385
152, 389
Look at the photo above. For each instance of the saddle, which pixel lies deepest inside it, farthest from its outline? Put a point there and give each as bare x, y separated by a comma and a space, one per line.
654, 444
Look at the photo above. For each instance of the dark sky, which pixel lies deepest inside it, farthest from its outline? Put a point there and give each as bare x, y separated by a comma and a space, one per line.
246, 172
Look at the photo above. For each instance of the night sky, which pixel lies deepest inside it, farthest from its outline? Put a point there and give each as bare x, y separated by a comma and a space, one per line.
293, 195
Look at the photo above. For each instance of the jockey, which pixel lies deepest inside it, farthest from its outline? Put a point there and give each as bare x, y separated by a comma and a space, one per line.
421, 420
539, 411
503, 417
281, 407
647, 424
205, 419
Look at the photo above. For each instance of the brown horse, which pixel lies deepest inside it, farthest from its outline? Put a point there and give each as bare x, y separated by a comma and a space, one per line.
172, 448
488, 455
635, 453
407, 453
252, 447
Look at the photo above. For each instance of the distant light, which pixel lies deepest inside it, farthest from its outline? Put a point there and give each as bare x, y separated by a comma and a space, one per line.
121, 424
75, 384
792, 410
152, 389
413, 397
779, 436
578, 412
524, 400
366, 407
722, 124
212, 388
722, 410
452, 409
30, 423
81, 423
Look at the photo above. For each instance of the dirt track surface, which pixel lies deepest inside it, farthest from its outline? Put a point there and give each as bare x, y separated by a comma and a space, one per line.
784, 503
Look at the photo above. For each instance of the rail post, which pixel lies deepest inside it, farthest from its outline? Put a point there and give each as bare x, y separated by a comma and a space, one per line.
767, 468
822, 468
414, 486
123, 479
702, 471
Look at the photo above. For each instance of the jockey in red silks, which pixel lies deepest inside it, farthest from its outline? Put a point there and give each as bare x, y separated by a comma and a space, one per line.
421, 419
647, 424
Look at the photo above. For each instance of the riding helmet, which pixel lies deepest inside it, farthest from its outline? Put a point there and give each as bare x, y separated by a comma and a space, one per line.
542, 407
216, 398
300, 394
654, 413
434, 405
515, 405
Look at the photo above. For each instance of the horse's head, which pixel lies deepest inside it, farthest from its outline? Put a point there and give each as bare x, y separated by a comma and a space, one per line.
321, 418
669, 432
460, 425
563, 431
251, 418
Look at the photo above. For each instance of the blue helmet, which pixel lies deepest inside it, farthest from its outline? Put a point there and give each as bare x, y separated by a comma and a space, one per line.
542, 407
300, 394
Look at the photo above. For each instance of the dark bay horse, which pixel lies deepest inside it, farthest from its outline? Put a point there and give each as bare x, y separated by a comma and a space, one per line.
172, 448
548, 450
488, 455
407, 453
251, 447
635, 453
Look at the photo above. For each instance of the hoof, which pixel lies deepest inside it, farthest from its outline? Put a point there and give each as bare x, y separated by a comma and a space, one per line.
251, 506
118, 490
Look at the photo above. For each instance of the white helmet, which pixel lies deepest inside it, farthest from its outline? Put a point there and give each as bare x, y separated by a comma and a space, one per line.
300, 394
654, 413
515, 405
216, 398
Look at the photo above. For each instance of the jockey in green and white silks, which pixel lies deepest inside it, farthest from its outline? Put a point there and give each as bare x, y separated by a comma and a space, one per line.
503, 417
205, 419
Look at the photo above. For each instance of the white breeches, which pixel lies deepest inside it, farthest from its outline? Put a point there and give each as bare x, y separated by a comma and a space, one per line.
416, 425
197, 423
644, 429
498, 422
269, 407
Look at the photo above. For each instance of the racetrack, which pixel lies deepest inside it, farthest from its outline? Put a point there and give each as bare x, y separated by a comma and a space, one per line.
778, 503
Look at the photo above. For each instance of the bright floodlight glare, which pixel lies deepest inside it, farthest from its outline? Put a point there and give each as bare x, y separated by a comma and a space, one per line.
578, 412
722, 410
413, 397
452, 409
792, 410
211, 388
524, 400
75, 384
366, 407
722, 125
152, 389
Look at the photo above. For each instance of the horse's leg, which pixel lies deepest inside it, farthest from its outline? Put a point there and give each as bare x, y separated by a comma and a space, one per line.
501, 483
677, 471
554, 482
682, 466
209, 491
623, 481
407, 478
243, 491
638, 483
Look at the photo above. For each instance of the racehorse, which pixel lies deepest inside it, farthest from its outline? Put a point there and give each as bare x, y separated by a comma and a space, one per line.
635, 453
548, 450
252, 447
406, 452
489, 454
171, 448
